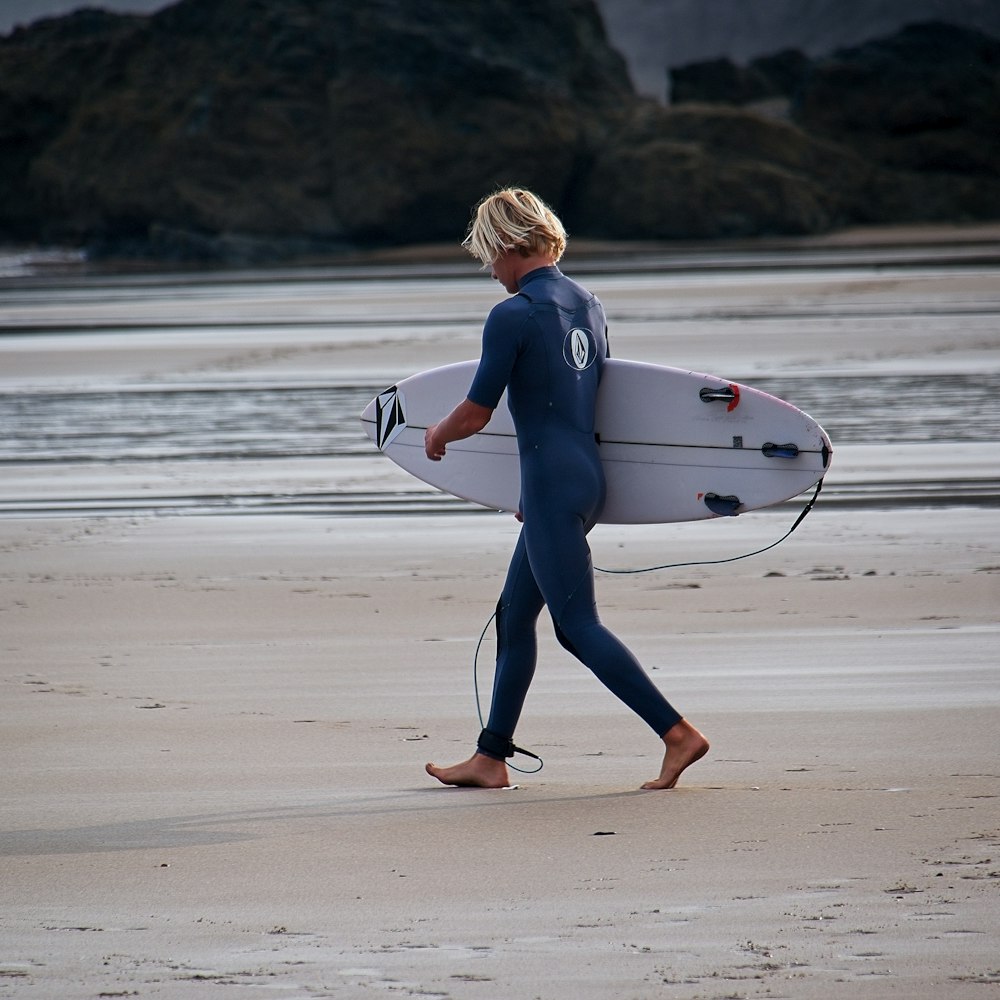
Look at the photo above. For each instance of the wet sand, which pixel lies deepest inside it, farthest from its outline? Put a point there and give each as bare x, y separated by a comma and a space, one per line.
215, 730
214, 725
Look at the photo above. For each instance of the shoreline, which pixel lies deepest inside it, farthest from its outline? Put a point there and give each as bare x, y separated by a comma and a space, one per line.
34, 263
942, 476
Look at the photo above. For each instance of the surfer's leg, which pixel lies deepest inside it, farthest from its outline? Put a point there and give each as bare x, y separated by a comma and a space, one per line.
517, 614
615, 666
562, 565
611, 661
520, 604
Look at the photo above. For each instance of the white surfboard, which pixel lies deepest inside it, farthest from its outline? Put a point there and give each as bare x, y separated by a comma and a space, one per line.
675, 445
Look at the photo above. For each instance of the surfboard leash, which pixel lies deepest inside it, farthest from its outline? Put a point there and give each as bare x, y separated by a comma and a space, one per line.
718, 562
479, 707
649, 569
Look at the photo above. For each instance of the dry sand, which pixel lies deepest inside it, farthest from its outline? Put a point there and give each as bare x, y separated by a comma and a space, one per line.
214, 731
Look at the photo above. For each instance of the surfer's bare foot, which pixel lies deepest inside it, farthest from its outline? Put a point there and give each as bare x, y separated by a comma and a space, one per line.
479, 771
684, 746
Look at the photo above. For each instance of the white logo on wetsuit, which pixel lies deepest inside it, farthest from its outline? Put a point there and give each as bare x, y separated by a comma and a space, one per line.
579, 349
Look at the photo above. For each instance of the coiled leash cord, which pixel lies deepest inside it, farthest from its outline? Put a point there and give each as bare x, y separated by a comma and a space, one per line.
622, 572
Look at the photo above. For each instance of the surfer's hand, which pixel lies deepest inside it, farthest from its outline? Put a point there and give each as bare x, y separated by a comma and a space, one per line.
433, 450
519, 517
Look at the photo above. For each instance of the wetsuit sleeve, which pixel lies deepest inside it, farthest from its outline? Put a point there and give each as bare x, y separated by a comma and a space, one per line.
500, 351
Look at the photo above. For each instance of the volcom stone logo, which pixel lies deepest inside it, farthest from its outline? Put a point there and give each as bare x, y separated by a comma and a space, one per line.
389, 417
579, 349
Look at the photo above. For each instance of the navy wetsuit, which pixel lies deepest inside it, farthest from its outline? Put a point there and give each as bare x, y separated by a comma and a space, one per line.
547, 346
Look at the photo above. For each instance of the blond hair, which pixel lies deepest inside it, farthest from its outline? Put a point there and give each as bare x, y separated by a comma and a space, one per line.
514, 219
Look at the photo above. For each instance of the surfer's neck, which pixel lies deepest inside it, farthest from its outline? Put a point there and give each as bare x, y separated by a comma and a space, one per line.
511, 267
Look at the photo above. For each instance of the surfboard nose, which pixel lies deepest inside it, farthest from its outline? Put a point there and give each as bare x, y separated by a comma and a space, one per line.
368, 419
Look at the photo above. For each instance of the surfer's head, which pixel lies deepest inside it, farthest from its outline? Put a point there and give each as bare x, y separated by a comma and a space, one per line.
514, 219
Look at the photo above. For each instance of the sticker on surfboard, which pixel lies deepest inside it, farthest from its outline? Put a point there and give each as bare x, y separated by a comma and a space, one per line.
390, 417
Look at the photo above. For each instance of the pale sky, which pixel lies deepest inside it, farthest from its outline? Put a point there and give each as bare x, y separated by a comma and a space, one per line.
23, 12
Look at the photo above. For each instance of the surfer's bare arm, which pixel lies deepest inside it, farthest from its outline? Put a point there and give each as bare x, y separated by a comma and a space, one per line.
466, 419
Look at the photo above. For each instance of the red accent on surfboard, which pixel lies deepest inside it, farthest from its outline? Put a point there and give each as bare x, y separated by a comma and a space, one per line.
736, 397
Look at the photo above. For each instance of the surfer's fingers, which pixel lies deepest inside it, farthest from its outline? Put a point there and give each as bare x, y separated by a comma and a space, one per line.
433, 451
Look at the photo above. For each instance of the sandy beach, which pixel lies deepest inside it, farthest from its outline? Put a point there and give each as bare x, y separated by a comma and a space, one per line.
215, 717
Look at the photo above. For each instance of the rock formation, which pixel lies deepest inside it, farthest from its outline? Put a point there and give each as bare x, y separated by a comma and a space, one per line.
324, 124
256, 130
922, 107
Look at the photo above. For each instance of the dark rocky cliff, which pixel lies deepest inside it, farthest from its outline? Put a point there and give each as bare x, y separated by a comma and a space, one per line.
922, 107
258, 129
325, 122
